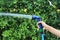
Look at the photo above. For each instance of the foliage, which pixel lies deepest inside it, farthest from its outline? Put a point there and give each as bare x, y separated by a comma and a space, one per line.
13, 28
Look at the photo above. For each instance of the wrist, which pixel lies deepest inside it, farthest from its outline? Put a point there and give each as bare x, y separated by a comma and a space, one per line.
47, 27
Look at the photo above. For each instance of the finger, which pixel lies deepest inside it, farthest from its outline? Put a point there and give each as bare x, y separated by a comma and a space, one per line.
38, 25
39, 22
44, 28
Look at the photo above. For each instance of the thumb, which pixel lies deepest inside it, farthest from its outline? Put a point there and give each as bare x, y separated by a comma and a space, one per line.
40, 22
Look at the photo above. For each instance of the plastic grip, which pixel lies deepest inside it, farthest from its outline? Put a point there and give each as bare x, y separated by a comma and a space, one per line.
40, 25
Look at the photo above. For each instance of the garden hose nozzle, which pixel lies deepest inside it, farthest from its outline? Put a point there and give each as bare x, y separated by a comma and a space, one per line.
40, 25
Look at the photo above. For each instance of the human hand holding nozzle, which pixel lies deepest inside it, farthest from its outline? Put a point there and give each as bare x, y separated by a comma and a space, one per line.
49, 28
43, 24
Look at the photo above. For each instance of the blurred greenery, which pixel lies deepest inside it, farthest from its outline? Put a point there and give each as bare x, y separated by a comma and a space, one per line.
13, 28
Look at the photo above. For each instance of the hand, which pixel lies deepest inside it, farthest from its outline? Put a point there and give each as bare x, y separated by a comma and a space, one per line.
43, 24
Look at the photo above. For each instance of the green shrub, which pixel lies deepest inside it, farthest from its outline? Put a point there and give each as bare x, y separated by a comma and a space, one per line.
13, 28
